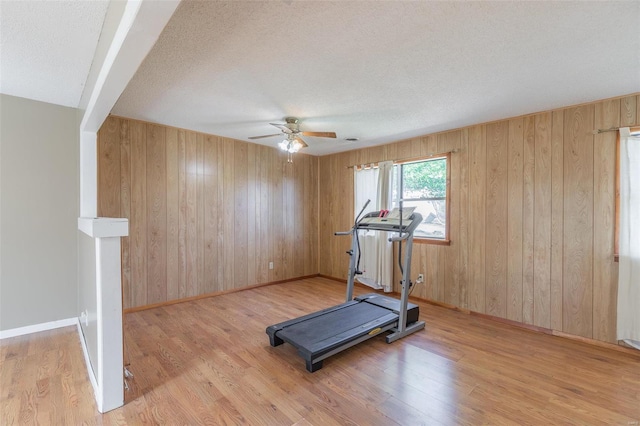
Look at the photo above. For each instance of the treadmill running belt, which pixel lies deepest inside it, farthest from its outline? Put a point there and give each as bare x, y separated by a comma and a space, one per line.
307, 334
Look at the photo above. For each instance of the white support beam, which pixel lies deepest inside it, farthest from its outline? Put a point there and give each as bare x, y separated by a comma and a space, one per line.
140, 26
139, 29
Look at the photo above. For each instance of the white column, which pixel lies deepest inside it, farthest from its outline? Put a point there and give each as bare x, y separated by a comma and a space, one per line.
140, 26
108, 369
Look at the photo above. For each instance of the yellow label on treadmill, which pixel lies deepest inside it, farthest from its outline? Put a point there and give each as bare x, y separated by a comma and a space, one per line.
375, 331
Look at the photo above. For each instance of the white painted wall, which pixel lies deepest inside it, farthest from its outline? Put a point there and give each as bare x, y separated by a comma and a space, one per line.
87, 298
39, 206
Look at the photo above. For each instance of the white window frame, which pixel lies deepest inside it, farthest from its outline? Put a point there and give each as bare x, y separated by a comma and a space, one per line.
447, 157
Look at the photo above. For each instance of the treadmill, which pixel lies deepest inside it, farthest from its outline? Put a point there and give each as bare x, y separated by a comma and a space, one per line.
322, 334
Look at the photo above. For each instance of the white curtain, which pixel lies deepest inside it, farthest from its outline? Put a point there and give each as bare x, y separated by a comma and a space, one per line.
629, 273
376, 252
366, 181
385, 247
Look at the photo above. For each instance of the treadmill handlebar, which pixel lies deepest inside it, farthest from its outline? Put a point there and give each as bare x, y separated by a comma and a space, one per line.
343, 232
401, 238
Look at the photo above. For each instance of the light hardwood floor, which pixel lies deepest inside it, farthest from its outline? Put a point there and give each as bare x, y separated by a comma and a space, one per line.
209, 362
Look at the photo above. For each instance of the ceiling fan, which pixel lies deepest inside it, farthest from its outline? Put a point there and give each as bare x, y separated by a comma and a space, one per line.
293, 142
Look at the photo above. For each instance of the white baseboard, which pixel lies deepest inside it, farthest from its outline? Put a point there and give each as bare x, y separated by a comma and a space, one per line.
20, 331
87, 362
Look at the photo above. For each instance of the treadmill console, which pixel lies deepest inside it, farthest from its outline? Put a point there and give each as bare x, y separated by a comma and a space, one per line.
385, 220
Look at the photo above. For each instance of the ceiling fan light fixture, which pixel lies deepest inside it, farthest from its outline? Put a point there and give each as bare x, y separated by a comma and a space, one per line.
292, 142
295, 146
290, 146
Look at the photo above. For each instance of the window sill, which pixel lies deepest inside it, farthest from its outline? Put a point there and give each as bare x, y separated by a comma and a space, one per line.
431, 241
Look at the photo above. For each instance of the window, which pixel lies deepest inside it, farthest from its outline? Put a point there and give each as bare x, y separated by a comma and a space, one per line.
635, 131
424, 184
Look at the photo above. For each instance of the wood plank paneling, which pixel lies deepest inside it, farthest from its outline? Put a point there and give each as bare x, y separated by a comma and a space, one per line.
250, 219
578, 221
211, 209
219, 230
277, 207
628, 111
330, 246
607, 115
450, 142
125, 204
202, 209
200, 201
528, 200
542, 223
173, 214
514, 222
557, 218
240, 236
138, 218
264, 223
325, 250
297, 193
288, 220
463, 247
496, 219
311, 214
109, 171
182, 215
477, 217
191, 212
156, 214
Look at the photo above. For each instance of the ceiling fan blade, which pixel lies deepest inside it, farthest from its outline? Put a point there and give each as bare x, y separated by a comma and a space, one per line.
282, 127
320, 134
264, 136
304, 144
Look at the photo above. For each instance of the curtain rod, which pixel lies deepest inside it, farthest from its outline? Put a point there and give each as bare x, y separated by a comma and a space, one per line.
612, 129
401, 160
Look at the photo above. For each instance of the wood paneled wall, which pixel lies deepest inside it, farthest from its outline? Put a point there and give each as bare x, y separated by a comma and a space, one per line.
532, 217
206, 213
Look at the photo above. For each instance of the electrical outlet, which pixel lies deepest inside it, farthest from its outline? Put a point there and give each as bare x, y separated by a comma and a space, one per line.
270, 265
420, 278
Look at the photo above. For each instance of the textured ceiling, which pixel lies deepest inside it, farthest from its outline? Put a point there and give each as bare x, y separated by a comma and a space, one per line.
46, 48
379, 71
